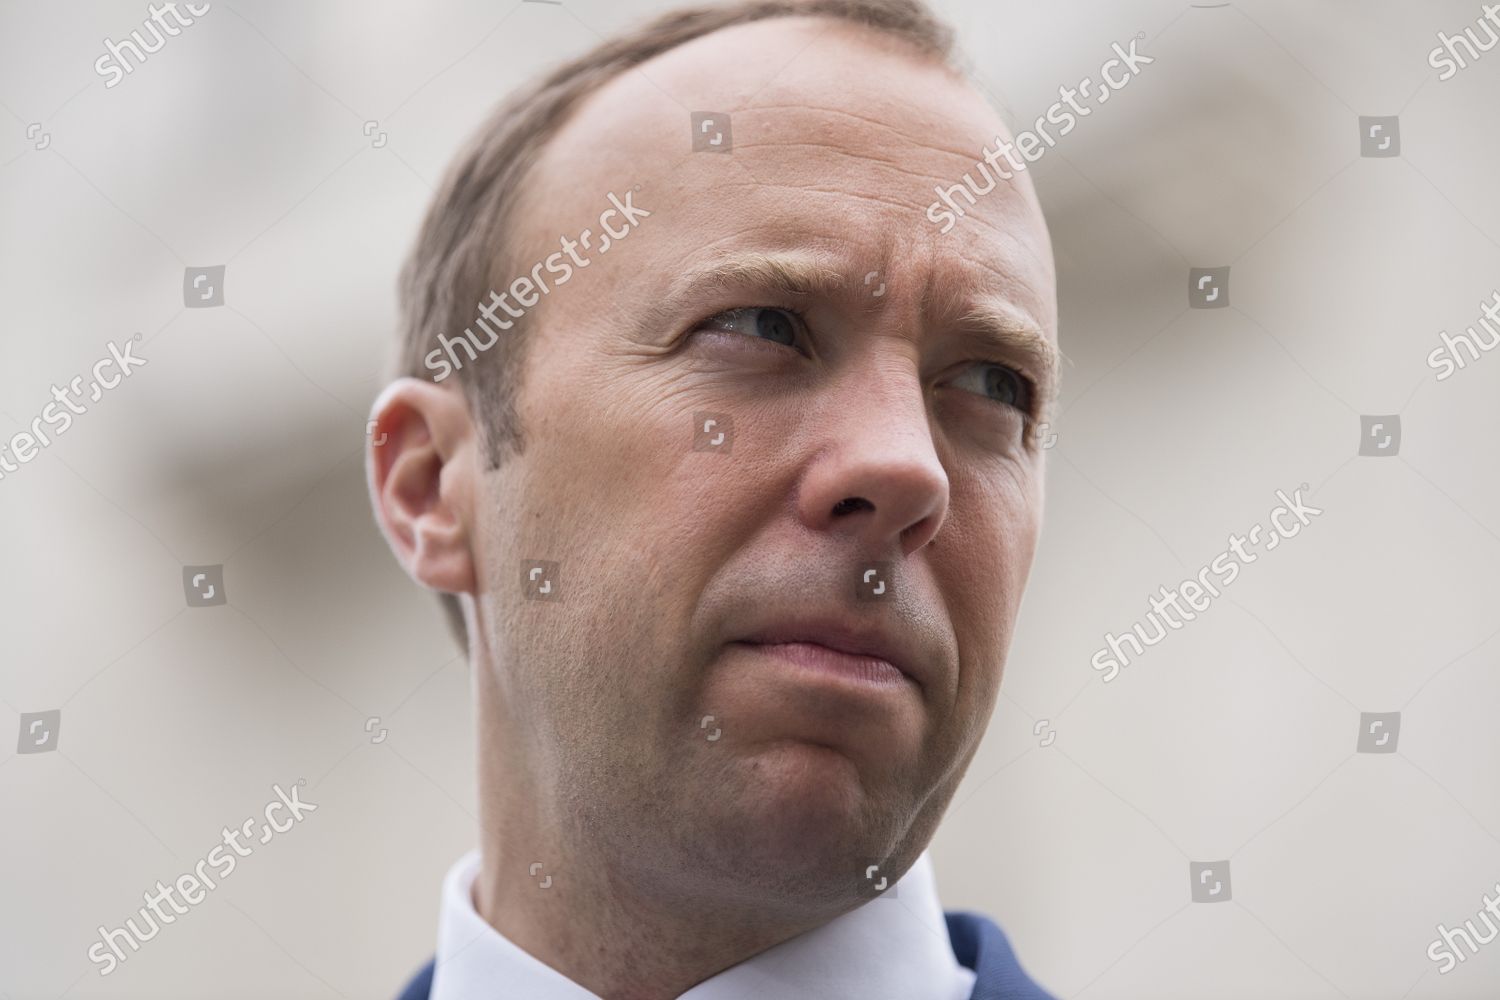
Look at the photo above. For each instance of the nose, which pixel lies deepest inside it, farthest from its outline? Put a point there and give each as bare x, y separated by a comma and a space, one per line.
875, 474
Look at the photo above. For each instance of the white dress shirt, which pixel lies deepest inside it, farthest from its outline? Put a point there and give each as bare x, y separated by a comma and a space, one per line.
893, 947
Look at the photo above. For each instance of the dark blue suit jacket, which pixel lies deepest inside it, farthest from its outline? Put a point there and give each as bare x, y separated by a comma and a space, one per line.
978, 944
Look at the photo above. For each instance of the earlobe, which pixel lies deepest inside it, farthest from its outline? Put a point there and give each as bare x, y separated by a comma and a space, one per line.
419, 462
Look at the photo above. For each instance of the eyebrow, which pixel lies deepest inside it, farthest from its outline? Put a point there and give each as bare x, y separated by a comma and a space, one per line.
797, 272
990, 323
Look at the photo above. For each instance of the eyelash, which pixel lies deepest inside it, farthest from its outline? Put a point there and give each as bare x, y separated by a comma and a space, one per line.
1029, 389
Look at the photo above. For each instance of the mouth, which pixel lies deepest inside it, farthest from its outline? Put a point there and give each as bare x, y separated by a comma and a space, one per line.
813, 656
868, 657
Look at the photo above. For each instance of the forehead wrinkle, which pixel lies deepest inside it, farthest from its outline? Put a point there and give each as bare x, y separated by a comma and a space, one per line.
782, 144
900, 199
812, 109
1008, 234
923, 139
790, 131
843, 195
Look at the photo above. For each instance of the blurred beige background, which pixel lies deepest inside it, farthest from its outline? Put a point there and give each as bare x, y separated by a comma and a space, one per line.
243, 143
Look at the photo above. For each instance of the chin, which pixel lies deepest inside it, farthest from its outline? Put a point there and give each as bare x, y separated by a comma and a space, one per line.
800, 818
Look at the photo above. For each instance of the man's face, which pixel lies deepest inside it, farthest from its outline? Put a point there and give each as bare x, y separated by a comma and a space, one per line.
874, 422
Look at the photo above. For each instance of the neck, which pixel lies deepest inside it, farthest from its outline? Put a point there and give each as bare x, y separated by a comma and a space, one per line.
608, 938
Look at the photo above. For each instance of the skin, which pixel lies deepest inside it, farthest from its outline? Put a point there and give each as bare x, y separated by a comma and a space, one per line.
674, 857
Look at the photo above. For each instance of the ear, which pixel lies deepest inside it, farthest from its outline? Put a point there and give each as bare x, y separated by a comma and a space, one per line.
419, 461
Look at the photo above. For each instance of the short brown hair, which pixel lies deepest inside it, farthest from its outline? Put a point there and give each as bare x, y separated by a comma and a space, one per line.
462, 246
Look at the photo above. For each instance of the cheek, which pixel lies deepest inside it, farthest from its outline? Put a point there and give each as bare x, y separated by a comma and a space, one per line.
995, 511
688, 465
1015, 531
642, 483
985, 562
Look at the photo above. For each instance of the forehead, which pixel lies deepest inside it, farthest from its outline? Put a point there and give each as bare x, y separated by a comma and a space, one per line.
839, 136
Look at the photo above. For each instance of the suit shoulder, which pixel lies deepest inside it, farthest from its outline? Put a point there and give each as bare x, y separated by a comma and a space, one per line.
420, 985
981, 946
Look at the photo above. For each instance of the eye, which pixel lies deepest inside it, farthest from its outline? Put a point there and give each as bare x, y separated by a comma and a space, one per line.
769, 322
1001, 383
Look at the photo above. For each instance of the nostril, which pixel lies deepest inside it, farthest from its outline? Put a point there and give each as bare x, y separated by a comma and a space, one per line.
849, 504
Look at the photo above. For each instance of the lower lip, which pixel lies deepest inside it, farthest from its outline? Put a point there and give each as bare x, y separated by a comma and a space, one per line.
812, 656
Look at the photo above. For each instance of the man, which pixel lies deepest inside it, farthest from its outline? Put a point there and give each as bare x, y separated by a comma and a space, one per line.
734, 509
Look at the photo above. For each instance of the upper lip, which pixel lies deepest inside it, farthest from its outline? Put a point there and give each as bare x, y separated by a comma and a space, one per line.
861, 640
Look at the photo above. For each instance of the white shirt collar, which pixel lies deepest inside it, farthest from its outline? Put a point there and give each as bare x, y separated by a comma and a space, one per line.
894, 947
